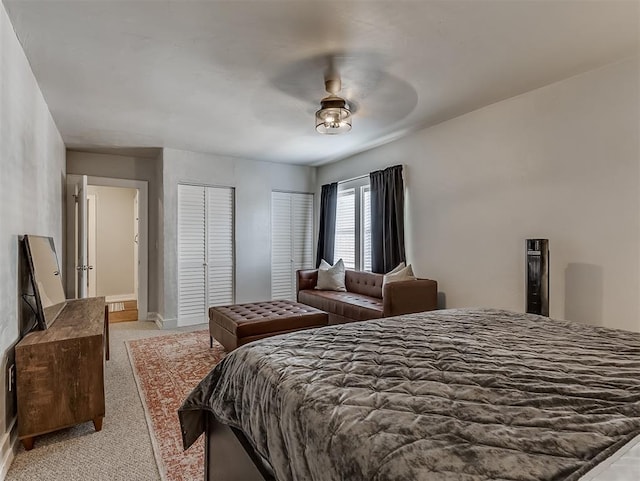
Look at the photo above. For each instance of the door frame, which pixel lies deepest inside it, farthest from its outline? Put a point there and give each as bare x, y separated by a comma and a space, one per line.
143, 231
92, 246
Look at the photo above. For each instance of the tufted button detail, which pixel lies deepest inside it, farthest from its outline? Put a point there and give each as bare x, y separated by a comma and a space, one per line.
232, 324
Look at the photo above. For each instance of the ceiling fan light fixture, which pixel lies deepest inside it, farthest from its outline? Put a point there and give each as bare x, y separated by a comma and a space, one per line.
334, 116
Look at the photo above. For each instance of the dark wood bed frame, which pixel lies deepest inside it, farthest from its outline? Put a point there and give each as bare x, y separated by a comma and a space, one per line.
230, 457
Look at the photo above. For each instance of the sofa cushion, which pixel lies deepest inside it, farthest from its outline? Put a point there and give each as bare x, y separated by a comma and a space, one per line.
366, 283
358, 307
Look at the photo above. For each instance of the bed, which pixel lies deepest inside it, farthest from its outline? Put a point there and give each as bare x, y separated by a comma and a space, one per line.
460, 394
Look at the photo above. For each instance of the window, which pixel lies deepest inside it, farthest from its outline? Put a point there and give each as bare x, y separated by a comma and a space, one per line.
346, 228
353, 224
366, 228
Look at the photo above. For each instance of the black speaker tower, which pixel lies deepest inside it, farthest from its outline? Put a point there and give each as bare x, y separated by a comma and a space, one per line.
538, 276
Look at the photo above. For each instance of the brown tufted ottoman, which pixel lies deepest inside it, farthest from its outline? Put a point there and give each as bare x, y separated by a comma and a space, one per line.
238, 324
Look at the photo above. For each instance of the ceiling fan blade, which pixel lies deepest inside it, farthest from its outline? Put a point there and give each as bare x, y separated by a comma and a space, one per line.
303, 79
369, 90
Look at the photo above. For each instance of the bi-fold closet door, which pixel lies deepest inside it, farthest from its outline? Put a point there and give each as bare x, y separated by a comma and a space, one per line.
291, 241
205, 251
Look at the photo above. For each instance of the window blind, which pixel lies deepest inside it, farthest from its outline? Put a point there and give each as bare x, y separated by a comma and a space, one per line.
366, 228
345, 247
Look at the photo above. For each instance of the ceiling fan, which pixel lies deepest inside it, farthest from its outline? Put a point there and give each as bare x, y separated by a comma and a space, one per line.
334, 116
356, 83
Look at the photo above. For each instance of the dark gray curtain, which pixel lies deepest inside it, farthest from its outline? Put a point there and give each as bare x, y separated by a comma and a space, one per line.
387, 219
327, 233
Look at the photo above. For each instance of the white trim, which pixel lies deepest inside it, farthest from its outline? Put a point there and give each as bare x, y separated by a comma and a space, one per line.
143, 229
161, 322
9, 454
169, 323
120, 298
92, 242
353, 179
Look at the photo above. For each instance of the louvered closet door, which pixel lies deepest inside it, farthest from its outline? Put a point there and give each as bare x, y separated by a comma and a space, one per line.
302, 228
220, 265
205, 251
191, 255
291, 241
282, 283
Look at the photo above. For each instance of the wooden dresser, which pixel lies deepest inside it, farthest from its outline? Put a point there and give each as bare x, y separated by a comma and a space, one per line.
60, 371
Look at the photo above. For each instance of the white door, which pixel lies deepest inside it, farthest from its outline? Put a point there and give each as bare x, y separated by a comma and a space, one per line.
205, 251
302, 228
136, 242
291, 241
191, 255
77, 265
220, 265
282, 282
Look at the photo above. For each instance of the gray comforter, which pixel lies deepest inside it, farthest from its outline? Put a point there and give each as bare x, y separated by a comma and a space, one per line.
448, 395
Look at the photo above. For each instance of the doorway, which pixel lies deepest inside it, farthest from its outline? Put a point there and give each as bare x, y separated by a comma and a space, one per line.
107, 247
112, 249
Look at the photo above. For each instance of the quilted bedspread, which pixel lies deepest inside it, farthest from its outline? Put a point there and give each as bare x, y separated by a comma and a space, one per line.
450, 395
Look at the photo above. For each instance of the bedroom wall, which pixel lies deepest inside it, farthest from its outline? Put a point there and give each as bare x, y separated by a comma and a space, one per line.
32, 173
560, 162
253, 182
132, 168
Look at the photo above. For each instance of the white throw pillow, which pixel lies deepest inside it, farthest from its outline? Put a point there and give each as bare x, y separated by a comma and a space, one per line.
397, 268
331, 277
400, 273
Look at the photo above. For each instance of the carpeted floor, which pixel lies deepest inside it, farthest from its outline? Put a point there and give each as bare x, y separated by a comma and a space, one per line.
122, 450
166, 369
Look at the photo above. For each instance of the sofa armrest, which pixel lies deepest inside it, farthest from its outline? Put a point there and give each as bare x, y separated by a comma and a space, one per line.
406, 297
306, 280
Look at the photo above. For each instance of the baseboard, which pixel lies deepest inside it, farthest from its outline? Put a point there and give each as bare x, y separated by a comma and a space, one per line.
161, 322
8, 445
121, 298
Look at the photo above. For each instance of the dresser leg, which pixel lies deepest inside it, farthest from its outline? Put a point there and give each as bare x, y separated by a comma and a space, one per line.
97, 423
27, 443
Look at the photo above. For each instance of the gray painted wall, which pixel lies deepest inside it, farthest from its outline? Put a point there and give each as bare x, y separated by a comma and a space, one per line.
32, 172
253, 182
560, 162
132, 168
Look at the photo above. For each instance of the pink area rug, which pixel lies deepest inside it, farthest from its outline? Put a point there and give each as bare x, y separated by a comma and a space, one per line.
166, 369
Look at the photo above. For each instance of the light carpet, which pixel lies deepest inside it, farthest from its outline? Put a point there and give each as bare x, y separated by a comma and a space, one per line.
122, 451
166, 369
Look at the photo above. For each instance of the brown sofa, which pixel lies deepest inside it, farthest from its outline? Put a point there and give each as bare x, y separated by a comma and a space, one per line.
365, 298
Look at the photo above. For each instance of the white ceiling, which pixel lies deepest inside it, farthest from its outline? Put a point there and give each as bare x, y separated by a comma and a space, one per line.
243, 78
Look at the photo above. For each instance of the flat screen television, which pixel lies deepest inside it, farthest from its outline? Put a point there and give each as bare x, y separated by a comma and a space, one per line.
46, 278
